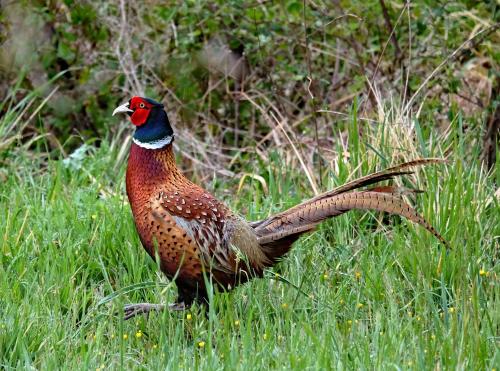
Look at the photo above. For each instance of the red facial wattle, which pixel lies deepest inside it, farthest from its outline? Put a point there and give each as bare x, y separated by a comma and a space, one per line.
140, 116
141, 110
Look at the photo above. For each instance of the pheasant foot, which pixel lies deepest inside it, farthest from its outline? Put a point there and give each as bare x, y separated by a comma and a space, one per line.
132, 310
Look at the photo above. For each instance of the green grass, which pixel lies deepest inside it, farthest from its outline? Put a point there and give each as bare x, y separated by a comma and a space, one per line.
364, 291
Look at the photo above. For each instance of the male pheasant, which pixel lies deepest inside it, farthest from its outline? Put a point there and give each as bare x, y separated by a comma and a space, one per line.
198, 239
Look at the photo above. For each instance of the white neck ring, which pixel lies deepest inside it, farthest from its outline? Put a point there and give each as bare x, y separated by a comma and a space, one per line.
157, 144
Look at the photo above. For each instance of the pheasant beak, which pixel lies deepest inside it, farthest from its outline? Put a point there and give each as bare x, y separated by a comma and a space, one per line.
123, 108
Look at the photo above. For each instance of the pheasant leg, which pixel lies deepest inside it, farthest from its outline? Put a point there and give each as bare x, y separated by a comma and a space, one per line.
132, 310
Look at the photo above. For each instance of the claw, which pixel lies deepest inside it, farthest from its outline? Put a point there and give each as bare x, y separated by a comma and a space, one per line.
132, 310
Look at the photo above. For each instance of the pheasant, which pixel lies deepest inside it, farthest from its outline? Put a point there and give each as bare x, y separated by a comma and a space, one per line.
198, 239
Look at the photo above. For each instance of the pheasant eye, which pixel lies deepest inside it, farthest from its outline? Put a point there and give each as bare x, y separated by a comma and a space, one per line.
142, 105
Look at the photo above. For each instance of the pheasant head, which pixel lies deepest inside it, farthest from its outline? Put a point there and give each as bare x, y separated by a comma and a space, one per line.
153, 130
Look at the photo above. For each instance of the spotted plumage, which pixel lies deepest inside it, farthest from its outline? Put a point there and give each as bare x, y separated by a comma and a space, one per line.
197, 239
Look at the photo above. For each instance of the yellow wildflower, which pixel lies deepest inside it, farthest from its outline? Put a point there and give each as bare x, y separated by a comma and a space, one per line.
189, 316
236, 323
360, 305
138, 334
125, 336
357, 275
201, 344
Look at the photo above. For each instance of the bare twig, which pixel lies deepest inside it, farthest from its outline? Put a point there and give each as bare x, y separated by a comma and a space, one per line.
391, 35
299, 157
125, 59
390, 28
313, 100
407, 74
492, 135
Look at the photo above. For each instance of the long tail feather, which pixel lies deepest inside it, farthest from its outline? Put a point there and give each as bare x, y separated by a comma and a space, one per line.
379, 176
308, 217
277, 233
358, 183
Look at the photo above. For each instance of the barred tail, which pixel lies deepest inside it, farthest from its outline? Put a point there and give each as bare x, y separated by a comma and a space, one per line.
277, 233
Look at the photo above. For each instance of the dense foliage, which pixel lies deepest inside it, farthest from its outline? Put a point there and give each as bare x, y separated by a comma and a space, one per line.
297, 60
271, 101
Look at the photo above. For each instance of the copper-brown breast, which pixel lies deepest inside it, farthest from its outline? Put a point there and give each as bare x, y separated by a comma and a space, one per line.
177, 219
189, 229
149, 173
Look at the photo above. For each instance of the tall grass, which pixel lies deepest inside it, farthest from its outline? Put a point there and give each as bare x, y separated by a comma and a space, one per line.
364, 291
